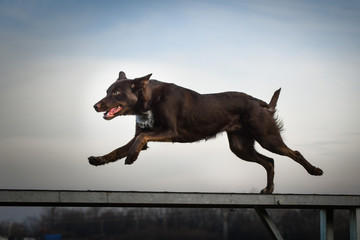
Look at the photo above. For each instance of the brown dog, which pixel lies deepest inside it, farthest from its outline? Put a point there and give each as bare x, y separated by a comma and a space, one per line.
168, 113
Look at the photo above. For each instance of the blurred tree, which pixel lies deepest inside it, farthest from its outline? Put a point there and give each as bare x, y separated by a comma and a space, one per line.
171, 223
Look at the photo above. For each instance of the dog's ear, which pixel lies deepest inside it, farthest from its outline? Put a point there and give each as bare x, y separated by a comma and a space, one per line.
140, 83
122, 75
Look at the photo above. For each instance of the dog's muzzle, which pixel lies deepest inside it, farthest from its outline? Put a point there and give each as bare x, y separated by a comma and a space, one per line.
97, 107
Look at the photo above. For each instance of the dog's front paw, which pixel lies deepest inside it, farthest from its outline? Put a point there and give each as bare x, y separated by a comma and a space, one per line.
131, 158
96, 161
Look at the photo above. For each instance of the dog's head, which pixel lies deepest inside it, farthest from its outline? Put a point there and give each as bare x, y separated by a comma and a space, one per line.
122, 96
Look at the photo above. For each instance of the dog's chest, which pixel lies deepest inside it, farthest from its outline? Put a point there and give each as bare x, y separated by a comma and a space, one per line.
145, 120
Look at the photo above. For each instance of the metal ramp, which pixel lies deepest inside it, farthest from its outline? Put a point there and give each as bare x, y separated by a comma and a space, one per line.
326, 203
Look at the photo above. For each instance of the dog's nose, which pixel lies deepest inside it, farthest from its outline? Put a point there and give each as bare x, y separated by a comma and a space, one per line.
97, 106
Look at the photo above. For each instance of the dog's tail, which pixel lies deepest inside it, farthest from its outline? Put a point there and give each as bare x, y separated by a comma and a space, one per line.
272, 109
273, 101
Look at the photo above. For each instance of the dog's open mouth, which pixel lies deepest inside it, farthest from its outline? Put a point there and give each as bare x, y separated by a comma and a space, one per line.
111, 113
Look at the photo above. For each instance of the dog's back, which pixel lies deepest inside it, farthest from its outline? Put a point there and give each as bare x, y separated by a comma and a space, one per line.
202, 116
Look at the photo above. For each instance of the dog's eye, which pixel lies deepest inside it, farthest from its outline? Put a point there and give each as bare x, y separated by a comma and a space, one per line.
116, 93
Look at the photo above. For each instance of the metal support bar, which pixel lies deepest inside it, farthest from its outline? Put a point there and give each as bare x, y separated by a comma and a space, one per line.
225, 213
269, 223
355, 224
327, 224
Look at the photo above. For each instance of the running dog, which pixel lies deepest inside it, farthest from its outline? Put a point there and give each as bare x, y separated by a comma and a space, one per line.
166, 112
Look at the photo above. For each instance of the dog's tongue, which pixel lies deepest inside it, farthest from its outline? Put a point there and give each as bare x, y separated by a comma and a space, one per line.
112, 111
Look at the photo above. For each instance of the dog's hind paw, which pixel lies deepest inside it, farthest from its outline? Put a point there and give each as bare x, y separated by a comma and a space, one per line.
96, 161
267, 190
316, 171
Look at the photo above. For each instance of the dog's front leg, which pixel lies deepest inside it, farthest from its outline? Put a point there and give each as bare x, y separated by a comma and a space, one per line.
143, 138
113, 156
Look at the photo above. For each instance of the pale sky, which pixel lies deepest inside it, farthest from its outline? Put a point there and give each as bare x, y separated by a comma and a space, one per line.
57, 59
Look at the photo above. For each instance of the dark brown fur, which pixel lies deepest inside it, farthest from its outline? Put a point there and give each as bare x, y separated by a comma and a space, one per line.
169, 113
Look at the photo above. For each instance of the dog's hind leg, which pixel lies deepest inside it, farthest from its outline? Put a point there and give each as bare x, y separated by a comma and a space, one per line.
284, 150
266, 132
274, 143
242, 145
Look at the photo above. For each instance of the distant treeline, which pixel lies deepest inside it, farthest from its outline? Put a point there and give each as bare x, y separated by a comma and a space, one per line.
170, 223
